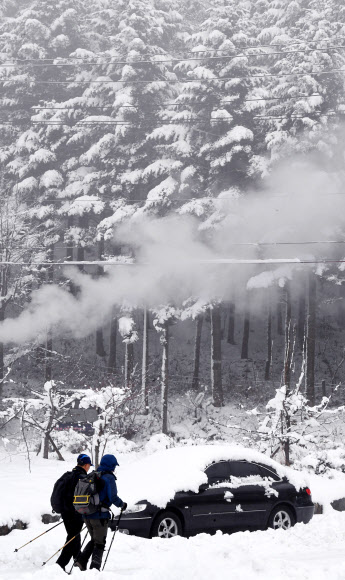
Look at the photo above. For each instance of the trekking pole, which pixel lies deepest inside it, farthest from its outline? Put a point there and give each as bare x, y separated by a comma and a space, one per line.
50, 529
74, 559
112, 539
59, 550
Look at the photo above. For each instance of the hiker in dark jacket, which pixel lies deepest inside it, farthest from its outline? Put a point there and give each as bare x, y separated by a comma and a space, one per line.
72, 520
97, 523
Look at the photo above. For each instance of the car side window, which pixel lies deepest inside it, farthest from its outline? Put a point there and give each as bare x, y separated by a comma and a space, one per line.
244, 469
218, 472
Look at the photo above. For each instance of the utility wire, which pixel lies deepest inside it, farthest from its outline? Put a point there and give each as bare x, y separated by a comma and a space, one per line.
208, 50
166, 104
46, 62
250, 244
192, 80
229, 261
163, 122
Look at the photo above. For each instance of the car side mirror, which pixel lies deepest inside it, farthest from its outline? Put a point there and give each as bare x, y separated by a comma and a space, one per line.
203, 487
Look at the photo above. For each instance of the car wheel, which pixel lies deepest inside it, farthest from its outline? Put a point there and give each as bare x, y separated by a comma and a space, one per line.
281, 518
167, 525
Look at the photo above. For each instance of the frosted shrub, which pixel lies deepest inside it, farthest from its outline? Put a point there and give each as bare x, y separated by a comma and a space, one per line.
71, 441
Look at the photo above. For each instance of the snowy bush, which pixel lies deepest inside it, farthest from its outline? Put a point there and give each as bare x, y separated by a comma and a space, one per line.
72, 441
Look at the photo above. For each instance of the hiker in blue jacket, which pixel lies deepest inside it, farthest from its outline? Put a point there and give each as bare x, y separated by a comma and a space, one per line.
97, 523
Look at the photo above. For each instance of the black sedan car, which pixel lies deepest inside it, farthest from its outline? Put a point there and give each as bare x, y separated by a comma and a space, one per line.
239, 495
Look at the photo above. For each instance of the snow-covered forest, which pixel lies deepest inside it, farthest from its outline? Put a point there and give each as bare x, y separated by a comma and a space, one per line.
172, 238
187, 160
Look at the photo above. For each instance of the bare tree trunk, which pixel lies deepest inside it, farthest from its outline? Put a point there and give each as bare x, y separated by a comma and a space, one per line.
269, 339
310, 340
70, 254
82, 223
288, 340
279, 317
216, 357
301, 321
129, 363
97, 447
246, 328
231, 323
112, 345
287, 440
57, 451
342, 305
2, 365
46, 435
100, 350
69, 248
144, 370
165, 378
197, 345
48, 371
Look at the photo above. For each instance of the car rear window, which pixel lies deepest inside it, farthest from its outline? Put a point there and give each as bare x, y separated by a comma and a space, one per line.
224, 470
269, 472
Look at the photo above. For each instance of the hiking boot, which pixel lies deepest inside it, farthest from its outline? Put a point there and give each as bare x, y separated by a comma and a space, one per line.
83, 557
80, 564
97, 556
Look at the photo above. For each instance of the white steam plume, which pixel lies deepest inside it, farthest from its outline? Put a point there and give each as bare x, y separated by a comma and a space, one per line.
169, 251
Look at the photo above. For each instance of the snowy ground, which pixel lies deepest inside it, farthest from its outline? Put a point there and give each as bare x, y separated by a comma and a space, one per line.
308, 551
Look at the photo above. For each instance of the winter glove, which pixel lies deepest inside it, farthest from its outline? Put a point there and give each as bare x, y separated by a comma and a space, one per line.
124, 506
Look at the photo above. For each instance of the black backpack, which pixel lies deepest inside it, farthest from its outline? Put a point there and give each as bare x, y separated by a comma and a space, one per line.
86, 494
59, 495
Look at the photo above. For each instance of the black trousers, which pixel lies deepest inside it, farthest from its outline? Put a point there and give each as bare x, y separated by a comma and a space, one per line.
73, 524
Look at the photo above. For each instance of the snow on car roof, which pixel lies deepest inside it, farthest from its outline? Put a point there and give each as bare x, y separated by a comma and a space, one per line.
159, 476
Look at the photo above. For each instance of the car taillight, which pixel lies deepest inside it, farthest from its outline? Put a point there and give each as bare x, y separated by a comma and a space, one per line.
308, 490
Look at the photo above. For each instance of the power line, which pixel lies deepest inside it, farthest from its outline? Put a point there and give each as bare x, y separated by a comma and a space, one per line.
191, 80
250, 244
46, 62
214, 50
168, 104
228, 261
163, 122
186, 200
